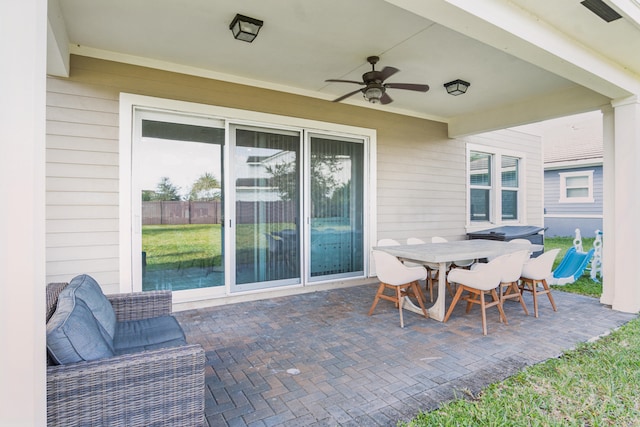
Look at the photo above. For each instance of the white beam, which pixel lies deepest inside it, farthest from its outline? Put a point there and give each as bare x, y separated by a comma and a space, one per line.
626, 292
22, 224
517, 32
608, 206
544, 107
629, 9
57, 42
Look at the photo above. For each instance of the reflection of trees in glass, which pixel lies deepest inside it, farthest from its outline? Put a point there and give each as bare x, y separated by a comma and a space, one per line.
165, 190
206, 188
339, 205
283, 177
328, 192
148, 195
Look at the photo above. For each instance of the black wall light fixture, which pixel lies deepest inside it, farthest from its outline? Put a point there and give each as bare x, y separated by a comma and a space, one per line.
245, 28
457, 87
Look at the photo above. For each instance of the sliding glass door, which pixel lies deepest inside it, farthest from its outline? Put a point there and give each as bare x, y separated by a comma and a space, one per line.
179, 177
336, 187
292, 211
266, 175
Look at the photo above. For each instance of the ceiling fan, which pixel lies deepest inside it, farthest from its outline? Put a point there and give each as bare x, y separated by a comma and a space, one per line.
374, 89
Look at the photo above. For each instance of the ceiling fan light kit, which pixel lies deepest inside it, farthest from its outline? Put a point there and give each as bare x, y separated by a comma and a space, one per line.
373, 93
457, 87
375, 90
245, 28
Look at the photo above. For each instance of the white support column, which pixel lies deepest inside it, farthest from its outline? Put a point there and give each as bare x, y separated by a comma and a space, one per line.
22, 224
626, 241
608, 214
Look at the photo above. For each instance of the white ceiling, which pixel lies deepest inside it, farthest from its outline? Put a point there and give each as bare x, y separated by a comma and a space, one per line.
303, 43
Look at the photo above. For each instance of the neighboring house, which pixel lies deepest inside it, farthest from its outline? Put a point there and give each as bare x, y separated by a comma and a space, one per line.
573, 176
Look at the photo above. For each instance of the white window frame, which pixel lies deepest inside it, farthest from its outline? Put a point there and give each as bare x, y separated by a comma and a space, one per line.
563, 187
495, 207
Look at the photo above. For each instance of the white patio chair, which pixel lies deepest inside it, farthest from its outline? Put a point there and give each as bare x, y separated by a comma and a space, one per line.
535, 273
402, 279
511, 271
393, 242
520, 242
478, 282
388, 242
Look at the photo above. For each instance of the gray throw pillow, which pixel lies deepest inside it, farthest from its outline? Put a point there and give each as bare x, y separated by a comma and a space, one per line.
87, 289
74, 335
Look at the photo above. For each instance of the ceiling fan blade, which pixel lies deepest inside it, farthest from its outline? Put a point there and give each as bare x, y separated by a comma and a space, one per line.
385, 99
407, 86
347, 95
387, 72
344, 81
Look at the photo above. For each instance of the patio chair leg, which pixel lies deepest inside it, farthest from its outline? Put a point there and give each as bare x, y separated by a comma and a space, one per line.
516, 290
453, 304
416, 287
429, 284
484, 314
496, 299
511, 291
377, 298
548, 291
400, 302
417, 291
472, 298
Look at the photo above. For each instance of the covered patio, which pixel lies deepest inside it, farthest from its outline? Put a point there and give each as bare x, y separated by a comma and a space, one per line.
318, 360
76, 70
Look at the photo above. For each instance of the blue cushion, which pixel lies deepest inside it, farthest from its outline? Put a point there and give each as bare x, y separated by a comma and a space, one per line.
148, 334
74, 335
87, 289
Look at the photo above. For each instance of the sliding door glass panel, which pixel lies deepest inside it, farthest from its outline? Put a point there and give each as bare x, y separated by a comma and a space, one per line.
267, 208
337, 199
179, 169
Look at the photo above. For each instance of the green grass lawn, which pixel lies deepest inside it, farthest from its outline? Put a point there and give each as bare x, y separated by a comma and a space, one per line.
597, 384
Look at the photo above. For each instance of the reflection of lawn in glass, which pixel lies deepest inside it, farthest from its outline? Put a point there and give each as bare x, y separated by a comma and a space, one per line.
198, 245
182, 246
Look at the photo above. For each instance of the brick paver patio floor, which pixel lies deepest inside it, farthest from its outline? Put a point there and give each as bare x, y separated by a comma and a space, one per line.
318, 359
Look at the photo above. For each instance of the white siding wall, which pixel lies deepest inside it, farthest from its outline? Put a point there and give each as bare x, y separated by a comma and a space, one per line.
421, 189
82, 183
421, 173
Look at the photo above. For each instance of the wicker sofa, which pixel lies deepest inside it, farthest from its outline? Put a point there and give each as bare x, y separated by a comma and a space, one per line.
163, 386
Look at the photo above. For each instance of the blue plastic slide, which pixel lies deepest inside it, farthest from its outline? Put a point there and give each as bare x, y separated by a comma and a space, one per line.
571, 267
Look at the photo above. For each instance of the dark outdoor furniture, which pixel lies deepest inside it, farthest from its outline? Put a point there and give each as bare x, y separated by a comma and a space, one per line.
507, 233
160, 385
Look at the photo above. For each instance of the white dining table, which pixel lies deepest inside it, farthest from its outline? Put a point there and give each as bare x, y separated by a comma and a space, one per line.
447, 252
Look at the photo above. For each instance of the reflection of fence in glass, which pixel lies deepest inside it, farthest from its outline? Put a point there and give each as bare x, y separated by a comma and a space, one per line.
210, 212
181, 212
